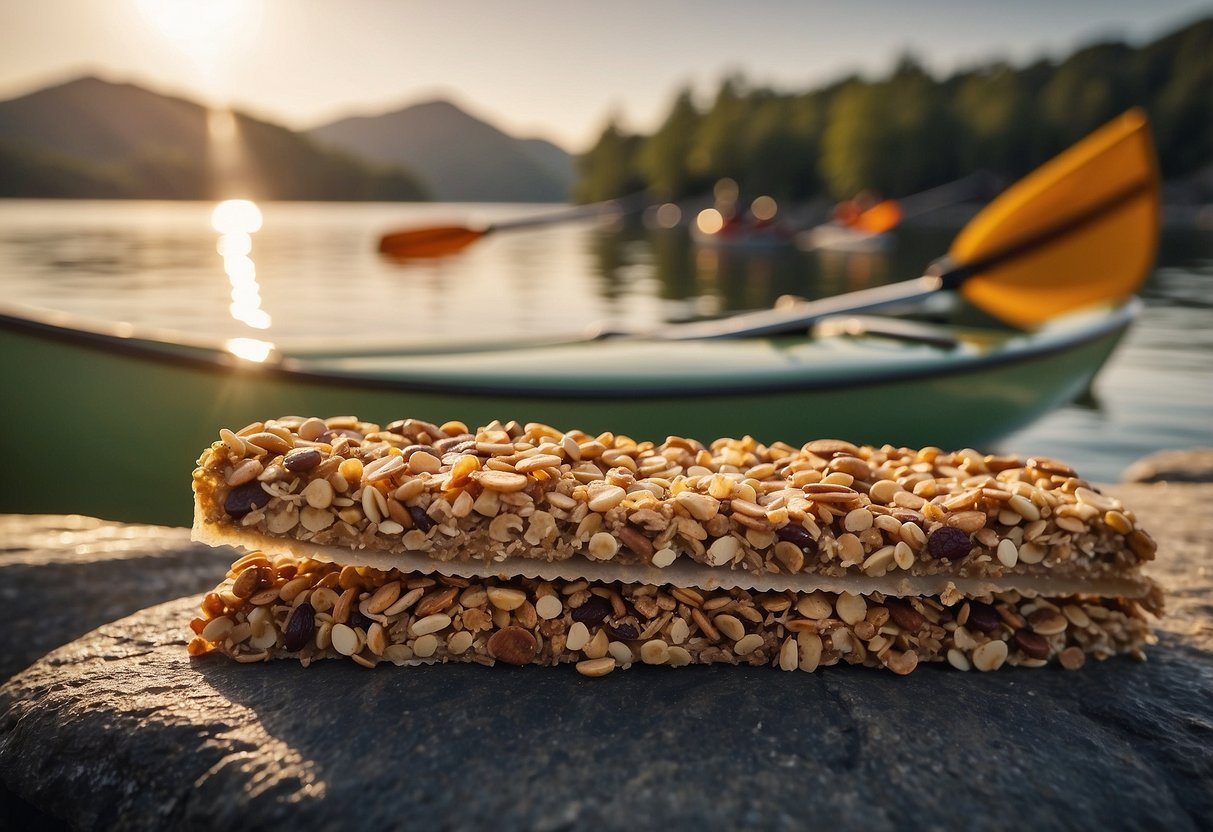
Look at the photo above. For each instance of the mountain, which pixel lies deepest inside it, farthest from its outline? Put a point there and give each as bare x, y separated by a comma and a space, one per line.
459, 157
94, 138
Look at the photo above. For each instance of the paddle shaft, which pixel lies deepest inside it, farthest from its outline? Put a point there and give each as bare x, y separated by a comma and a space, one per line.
553, 217
438, 241
804, 315
914, 205
943, 274
941, 196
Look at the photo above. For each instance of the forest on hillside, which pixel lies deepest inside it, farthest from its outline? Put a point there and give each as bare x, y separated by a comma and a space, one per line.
910, 131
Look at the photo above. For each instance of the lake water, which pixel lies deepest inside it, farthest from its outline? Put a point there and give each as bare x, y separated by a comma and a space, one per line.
311, 271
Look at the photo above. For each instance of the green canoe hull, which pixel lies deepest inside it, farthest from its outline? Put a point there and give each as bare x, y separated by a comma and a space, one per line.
111, 426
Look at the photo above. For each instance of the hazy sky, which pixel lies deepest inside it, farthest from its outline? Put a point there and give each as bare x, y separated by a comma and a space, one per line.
554, 69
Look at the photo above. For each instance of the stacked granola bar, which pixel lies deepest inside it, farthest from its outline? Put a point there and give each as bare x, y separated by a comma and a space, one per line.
417, 542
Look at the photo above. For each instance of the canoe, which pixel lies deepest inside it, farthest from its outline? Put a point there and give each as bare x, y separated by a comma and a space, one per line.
107, 421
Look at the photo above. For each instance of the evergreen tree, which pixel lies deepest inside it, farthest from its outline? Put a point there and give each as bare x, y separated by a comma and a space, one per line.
909, 132
609, 171
664, 158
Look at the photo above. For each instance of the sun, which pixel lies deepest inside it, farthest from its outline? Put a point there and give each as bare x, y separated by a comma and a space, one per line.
208, 32
181, 20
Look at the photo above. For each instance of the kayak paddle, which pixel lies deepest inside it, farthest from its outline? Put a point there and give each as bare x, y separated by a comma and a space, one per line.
1080, 229
441, 240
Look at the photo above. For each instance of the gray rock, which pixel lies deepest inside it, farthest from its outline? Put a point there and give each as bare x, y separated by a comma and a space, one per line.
1191, 465
121, 729
61, 577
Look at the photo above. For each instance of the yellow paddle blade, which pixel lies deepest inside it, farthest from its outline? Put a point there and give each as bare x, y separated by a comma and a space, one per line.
436, 241
1081, 229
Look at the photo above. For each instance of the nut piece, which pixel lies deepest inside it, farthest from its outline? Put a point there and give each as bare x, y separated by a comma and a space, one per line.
578, 636
607, 498
345, 640
959, 660
723, 550
699, 506
851, 608
748, 644
504, 598
904, 615
816, 605
902, 663
1072, 658
271, 442
459, 642
245, 472
548, 607
1008, 553
318, 494
505, 527
250, 580
655, 652
596, 667
425, 646
436, 602
383, 598
603, 546
858, 520
430, 624
502, 481
513, 645
789, 654
1046, 622
664, 557
597, 647
990, 656
730, 626
829, 448
637, 542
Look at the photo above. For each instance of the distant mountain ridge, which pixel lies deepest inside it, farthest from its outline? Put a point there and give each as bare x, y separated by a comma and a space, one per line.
97, 139
457, 156
92, 138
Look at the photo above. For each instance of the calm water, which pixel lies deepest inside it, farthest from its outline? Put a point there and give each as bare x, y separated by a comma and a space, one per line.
311, 271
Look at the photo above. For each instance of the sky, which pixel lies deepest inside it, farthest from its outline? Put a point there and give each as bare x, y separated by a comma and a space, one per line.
557, 70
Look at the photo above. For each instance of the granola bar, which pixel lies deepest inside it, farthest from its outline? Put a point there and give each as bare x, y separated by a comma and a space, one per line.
417, 543
536, 502
285, 607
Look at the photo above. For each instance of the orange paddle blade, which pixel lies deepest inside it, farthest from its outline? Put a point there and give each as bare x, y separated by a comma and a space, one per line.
1081, 229
435, 241
881, 217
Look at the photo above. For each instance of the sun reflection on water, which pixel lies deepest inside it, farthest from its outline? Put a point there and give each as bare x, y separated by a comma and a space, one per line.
237, 220
250, 349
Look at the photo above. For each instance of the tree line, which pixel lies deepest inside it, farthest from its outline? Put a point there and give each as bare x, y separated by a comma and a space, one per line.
910, 131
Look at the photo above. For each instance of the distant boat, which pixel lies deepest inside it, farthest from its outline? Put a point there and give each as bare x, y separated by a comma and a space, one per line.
108, 421
746, 235
833, 236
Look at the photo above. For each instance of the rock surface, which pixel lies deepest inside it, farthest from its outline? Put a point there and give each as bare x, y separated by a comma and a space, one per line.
122, 729
1191, 465
61, 576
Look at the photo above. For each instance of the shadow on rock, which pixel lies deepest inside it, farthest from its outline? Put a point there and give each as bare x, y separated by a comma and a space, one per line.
157, 739
545, 748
